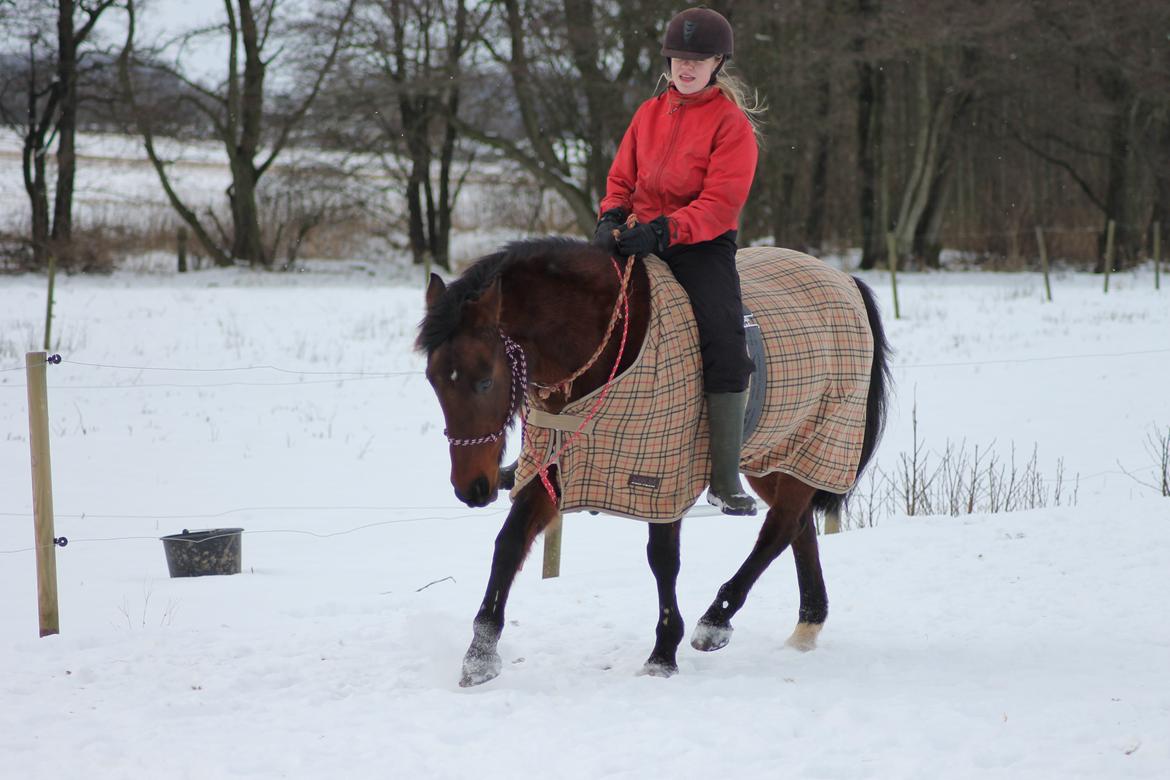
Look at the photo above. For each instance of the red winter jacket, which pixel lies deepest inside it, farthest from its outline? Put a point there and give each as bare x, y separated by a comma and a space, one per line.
688, 157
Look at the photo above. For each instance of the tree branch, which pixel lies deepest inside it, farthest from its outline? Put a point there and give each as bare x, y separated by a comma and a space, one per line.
146, 130
303, 109
1058, 162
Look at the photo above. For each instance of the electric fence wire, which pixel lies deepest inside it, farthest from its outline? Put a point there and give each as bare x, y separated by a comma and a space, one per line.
354, 376
294, 531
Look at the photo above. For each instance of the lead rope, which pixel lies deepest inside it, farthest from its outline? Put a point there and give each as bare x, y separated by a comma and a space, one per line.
623, 305
565, 386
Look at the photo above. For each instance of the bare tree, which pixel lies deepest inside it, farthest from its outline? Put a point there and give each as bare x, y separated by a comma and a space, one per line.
577, 69
410, 54
50, 85
252, 135
1097, 79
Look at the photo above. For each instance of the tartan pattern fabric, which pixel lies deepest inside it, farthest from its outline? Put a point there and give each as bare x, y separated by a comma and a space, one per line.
646, 453
819, 354
647, 430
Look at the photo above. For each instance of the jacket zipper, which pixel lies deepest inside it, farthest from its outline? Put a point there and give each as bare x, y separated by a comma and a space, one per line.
676, 109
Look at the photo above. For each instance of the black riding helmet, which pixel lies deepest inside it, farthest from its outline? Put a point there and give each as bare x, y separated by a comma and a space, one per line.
699, 33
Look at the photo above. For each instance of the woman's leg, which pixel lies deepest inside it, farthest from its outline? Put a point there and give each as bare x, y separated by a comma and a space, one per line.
707, 272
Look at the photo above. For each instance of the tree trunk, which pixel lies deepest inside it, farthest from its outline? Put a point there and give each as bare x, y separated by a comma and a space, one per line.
248, 242
1126, 238
38, 195
415, 118
870, 106
928, 237
66, 133
446, 196
815, 224
935, 115
544, 163
782, 212
582, 39
1161, 210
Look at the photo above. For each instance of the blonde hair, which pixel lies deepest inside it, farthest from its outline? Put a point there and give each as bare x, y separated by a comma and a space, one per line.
736, 90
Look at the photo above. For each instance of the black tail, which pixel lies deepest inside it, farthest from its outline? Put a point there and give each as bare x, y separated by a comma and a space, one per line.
875, 404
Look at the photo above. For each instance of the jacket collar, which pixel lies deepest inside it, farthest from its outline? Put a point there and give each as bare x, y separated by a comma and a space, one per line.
676, 98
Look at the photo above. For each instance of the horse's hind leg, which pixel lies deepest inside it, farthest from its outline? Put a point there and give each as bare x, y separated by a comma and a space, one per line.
814, 601
662, 551
531, 512
789, 501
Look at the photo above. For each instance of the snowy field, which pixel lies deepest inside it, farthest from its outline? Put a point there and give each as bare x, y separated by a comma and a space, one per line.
1025, 645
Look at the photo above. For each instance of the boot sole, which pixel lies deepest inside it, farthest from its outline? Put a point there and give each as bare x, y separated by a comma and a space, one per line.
722, 506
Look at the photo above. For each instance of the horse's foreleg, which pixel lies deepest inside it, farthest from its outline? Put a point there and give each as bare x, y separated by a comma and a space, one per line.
814, 600
531, 512
662, 551
789, 499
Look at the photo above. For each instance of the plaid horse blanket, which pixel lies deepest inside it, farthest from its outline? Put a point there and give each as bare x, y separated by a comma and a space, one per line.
645, 453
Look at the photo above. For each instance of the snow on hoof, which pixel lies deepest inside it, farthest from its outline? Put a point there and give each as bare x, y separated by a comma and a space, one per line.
478, 669
708, 637
804, 636
656, 668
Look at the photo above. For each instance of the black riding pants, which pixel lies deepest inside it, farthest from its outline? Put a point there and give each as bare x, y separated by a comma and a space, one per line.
707, 272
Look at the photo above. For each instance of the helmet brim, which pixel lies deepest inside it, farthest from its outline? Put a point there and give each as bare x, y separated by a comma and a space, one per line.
679, 54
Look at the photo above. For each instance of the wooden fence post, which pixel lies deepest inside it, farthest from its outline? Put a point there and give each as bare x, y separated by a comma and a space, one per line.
1157, 255
832, 522
1109, 251
182, 238
1044, 261
42, 482
552, 548
892, 250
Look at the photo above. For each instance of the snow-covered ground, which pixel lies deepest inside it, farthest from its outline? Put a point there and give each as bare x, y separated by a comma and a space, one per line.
1033, 644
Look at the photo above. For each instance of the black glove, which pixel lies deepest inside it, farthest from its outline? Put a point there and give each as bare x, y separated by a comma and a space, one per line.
644, 238
611, 220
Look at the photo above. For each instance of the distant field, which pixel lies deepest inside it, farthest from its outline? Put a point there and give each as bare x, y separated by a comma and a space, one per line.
117, 187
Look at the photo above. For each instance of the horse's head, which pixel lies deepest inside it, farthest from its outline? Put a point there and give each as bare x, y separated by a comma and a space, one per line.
473, 368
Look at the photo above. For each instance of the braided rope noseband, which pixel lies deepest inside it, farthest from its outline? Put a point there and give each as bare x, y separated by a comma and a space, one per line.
518, 364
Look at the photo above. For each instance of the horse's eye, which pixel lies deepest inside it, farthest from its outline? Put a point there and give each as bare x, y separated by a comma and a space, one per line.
483, 385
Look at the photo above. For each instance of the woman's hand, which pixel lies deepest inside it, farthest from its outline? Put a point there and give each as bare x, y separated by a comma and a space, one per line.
604, 236
644, 238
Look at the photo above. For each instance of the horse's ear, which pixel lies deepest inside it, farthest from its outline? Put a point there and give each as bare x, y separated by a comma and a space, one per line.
435, 290
485, 310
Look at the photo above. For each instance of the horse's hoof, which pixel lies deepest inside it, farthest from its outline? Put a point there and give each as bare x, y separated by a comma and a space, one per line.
657, 667
804, 636
708, 636
478, 669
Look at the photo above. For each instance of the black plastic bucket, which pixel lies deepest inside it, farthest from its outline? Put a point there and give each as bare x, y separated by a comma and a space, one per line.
196, 553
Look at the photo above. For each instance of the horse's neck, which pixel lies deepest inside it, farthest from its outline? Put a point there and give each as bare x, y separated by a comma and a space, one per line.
560, 320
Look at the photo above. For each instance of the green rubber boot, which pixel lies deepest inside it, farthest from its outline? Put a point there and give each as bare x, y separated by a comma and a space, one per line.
725, 415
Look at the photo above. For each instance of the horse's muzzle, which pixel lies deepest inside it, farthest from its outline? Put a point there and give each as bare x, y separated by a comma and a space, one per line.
480, 493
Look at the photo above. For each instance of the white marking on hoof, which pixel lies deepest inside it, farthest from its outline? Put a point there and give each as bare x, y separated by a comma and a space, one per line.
804, 636
708, 637
657, 669
478, 669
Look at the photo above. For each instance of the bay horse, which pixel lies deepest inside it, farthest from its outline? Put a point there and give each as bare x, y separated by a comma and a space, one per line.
527, 317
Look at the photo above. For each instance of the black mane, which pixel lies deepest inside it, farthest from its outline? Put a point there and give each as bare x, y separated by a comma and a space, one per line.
443, 318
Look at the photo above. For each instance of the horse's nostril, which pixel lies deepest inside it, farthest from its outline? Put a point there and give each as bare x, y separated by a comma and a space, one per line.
479, 489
